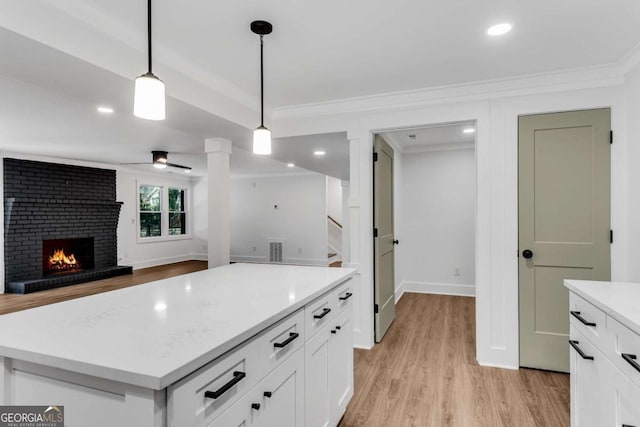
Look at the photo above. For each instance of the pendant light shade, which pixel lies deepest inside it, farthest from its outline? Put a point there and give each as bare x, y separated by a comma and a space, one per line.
262, 135
262, 140
148, 102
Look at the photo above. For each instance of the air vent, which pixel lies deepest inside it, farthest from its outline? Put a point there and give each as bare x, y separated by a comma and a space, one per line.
275, 251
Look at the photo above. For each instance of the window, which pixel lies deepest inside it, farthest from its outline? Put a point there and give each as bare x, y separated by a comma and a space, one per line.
150, 211
162, 212
177, 214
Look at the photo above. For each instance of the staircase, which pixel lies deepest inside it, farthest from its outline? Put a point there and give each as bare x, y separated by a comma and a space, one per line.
334, 242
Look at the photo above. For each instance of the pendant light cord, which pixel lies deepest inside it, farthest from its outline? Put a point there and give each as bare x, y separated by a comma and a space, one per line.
261, 84
149, 32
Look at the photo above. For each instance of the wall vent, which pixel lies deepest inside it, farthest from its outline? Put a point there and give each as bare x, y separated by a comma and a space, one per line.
275, 251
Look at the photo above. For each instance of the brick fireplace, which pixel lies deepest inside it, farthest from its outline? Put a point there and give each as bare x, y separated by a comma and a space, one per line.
60, 225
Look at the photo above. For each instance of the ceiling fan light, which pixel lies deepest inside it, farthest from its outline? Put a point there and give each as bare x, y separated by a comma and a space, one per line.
262, 141
149, 98
159, 165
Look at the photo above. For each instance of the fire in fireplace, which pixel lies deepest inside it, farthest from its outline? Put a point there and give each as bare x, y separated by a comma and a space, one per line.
67, 255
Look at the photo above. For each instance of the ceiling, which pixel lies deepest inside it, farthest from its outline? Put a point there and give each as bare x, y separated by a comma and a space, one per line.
61, 59
438, 137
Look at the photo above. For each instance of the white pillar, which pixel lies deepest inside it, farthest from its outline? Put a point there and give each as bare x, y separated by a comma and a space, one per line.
219, 205
346, 236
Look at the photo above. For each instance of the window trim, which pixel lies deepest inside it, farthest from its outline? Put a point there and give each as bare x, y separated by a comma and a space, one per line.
164, 213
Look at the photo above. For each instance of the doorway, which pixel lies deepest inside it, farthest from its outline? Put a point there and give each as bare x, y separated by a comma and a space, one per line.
564, 162
434, 211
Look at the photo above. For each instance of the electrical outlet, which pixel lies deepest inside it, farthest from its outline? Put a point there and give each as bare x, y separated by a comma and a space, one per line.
456, 271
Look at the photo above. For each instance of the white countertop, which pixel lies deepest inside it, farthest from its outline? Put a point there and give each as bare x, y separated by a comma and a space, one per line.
618, 299
152, 335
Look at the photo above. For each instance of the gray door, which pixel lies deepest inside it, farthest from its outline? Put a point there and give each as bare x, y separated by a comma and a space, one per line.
384, 286
564, 224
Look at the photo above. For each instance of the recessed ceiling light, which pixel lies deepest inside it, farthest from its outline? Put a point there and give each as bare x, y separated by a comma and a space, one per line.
499, 29
291, 165
105, 110
319, 153
469, 130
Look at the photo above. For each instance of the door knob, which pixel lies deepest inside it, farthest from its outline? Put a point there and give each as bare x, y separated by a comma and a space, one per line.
527, 254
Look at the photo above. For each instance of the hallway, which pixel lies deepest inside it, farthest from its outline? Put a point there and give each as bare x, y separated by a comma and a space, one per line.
424, 374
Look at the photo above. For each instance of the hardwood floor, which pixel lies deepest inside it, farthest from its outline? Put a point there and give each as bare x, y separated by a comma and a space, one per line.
424, 374
13, 302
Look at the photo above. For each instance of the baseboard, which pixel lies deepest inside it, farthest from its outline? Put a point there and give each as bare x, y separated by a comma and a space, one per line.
159, 261
399, 291
362, 347
498, 365
437, 288
200, 257
244, 258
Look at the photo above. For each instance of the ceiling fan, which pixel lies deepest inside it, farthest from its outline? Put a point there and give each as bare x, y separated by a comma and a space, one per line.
159, 160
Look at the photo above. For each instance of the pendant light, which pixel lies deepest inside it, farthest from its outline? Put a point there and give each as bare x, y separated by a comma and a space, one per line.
148, 101
262, 135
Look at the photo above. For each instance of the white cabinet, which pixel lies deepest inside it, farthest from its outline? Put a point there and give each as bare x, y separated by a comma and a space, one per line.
329, 371
604, 381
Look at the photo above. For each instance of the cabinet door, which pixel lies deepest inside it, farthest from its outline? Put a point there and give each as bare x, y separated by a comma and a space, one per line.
340, 365
627, 396
282, 393
591, 399
317, 379
241, 414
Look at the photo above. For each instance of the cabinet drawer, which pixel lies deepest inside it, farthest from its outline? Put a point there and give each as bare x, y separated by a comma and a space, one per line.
226, 379
588, 319
624, 350
319, 313
281, 340
343, 295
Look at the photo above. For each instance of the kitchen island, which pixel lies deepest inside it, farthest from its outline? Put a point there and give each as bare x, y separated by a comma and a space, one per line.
188, 350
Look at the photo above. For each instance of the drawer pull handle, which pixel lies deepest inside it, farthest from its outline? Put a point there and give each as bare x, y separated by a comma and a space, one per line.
255, 406
324, 313
333, 331
631, 360
577, 315
237, 377
267, 394
292, 336
574, 344
346, 296
338, 327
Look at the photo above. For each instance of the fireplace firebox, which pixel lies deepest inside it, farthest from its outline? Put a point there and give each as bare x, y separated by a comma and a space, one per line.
61, 256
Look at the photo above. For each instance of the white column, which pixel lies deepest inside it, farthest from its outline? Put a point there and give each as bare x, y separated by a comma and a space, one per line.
346, 237
218, 151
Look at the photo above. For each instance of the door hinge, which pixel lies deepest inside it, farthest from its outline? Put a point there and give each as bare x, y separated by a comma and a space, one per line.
375, 157
375, 232
375, 308
610, 137
610, 236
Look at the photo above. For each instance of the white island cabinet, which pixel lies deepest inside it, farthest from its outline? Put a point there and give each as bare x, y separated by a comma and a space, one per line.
235, 345
605, 356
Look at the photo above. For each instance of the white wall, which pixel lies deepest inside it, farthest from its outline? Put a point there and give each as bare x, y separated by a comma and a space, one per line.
299, 219
632, 184
141, 253
437, 222
200, 233
495, 106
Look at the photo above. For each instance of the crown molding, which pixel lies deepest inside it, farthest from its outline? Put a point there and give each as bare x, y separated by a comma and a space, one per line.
448, 146
573, 79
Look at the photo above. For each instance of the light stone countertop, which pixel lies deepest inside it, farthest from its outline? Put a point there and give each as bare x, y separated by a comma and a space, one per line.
620, 300
152, 335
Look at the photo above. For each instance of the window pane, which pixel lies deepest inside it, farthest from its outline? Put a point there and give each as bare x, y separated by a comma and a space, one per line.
149, 198
177, 223
150, 225
176, 199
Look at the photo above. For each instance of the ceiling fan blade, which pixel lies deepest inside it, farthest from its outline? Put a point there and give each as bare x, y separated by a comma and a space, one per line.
178, 166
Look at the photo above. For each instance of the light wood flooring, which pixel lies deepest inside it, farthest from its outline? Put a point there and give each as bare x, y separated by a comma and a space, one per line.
14, 302
424, 374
